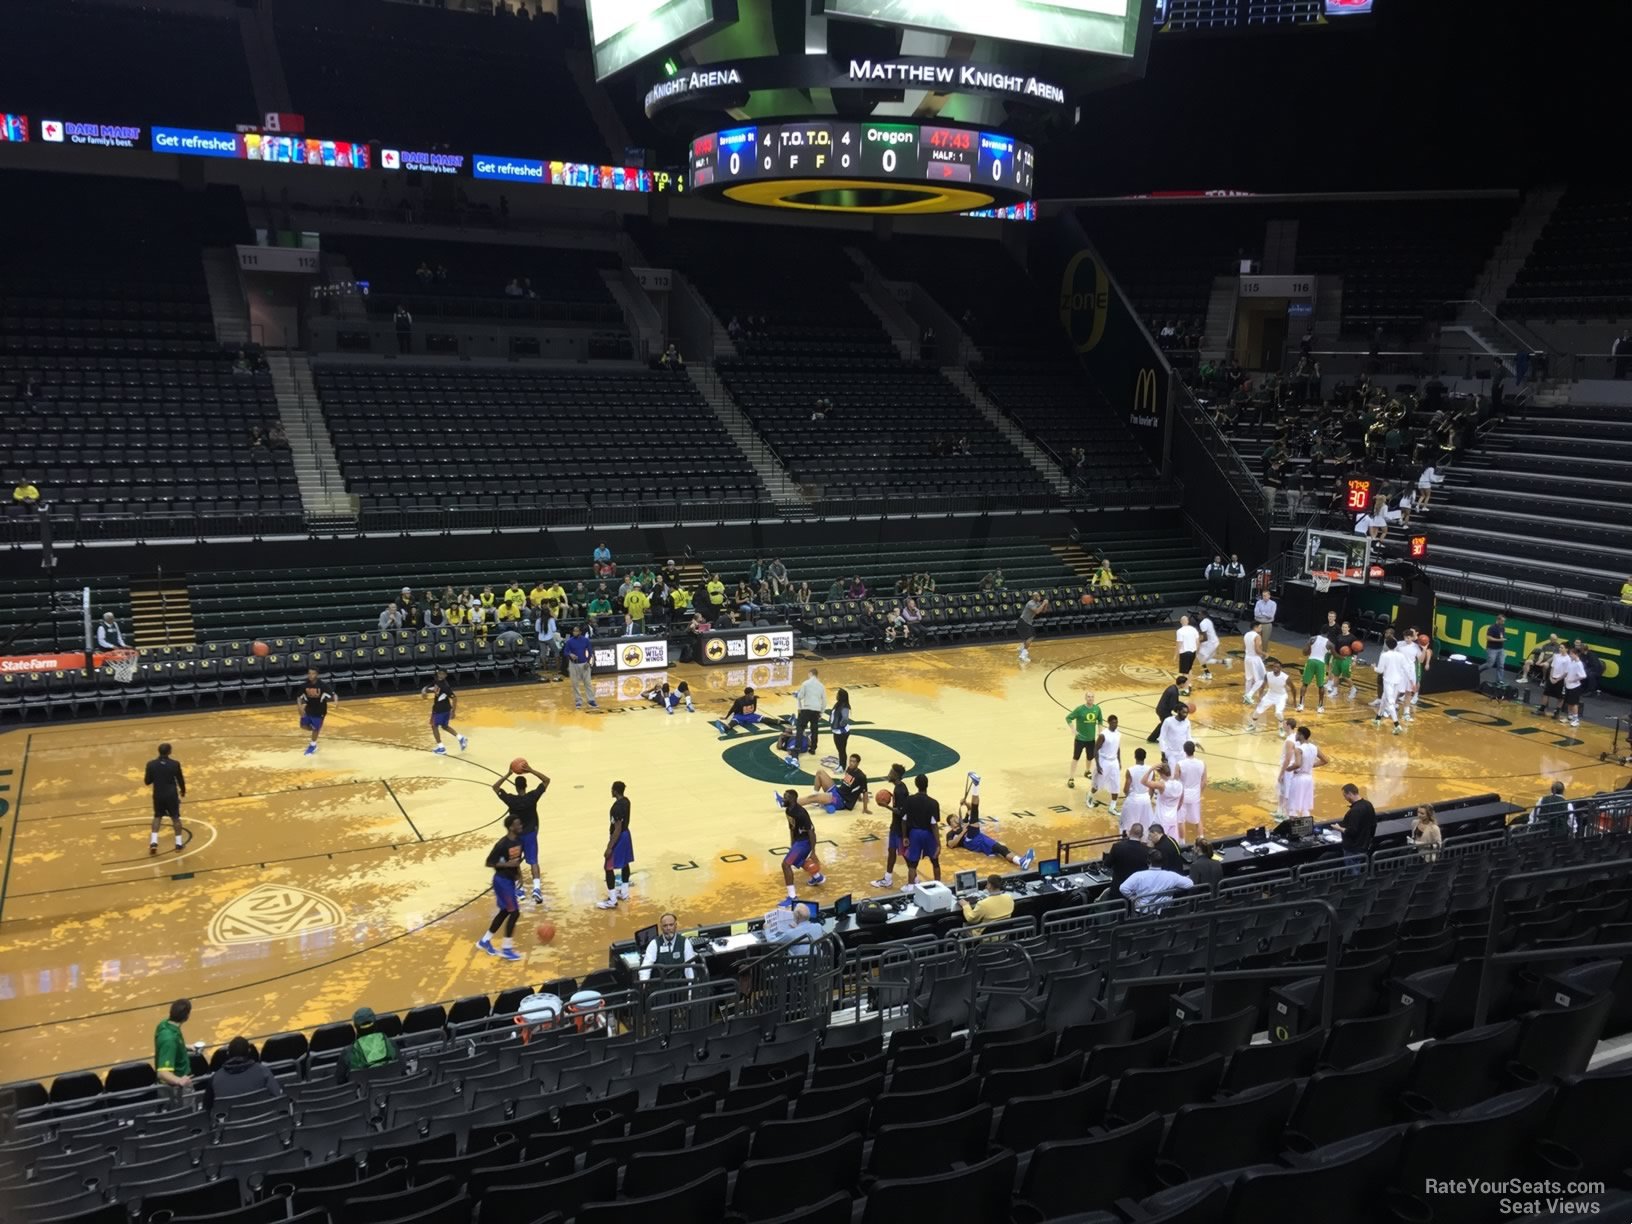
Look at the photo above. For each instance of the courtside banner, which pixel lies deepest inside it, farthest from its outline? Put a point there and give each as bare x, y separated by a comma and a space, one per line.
43, 662
741, 646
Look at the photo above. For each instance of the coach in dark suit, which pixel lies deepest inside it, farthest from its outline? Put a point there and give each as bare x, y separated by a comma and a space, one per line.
1125, 857
1167, 704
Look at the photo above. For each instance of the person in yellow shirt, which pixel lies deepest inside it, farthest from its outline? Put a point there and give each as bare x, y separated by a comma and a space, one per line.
555, 594
635, 605
27, 493
487, 598
536, 596
513, 594
716, 590
456, 613
509, 611
995, 906
1626, 591
680, 599
1104, 579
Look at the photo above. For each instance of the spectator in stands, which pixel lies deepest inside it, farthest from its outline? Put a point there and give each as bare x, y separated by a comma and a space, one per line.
1104, 577
801, 595
549, 635
370, 1049
435, 617
1426, 835
602, 561
390, 618
670, 953
108, 634
857, 589
1553, 811
1217, 583
257, 436
1149, 889
424, 275
513, 289
276, 439
995, 906
896, 630
911, 614
170, 1057
992, 581
715, 586
1358, 827
836, 591
671, 359
734, 329
25, 493
405, 329
241, 1077
778, 575
600, 604
1263, 613
1426, 480
635, 606
1207, 868
1626, 601
1127, 855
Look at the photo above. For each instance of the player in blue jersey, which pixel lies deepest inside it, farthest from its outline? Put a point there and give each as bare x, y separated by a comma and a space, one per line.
801, 844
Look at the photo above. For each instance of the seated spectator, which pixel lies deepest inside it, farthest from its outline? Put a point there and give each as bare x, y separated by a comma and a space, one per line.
1149, 889
371, 1048
456, 613
857, 589
600, 603
1104, 578
734, 329
26, 493
602, 561
896, 631
743, 598
671, 359
778, 575
242, 1077
836, 591
424, 275
276, 438
577, 600
670, 572
413, 616
911, 614
435, 617
390, 618
801, 595
1207, 868
992, 581
513, 289
257, 437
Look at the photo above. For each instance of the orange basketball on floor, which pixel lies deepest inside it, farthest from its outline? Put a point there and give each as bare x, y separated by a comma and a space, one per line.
1344, 651
519, 765
884, 798
1087, 601
546, 932
260, 648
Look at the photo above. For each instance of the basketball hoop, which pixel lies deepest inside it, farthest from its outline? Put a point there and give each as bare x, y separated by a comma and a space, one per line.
1323, 582
122, 663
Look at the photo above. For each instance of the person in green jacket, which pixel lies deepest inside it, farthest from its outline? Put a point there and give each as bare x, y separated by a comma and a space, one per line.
170, 1057
372, 1048
1086, 720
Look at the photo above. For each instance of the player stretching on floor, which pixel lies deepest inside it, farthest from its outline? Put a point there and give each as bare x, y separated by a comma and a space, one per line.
313, 703
744, 713
841, 794
504, 860
896, 838
620, 850
1086, 720
443, 704
667, 699
169, 789
524, 803
801, 845
964, 831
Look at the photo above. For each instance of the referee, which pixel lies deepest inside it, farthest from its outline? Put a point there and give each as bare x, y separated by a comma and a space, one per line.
165, 777
812, 698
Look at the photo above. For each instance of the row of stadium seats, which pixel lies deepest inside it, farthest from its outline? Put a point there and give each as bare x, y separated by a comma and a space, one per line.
1581, 264
1041, 1077
967, 618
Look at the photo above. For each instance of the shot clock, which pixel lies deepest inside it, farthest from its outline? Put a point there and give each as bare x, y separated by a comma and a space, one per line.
1357, 498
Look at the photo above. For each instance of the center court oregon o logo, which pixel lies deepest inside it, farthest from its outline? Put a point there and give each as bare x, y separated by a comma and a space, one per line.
757, 757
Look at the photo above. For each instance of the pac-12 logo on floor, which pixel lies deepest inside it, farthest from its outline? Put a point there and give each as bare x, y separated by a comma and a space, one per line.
757, 756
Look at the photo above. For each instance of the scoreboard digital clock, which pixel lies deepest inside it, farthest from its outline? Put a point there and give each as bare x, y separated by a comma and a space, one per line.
848, 166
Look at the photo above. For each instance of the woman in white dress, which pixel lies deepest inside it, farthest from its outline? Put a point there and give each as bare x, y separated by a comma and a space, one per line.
1136, 808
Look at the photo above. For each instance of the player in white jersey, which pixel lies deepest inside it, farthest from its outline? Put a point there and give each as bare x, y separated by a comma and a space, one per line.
1399, 678
1175, 731
1187, 640
1136, 808
1192, 771
1166, 795
1275, 682
1411, 648
1314, 671
1107, 765
1208, 649
1289, 735
1300, 788
1252, 651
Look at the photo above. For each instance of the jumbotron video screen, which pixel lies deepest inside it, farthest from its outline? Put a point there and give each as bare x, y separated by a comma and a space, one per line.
1101, 27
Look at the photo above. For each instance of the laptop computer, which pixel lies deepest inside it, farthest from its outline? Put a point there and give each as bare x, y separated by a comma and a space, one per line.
844, 906
965, 881
1049, 869
643, 937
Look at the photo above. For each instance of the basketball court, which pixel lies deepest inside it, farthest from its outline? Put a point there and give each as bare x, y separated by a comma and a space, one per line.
311, 885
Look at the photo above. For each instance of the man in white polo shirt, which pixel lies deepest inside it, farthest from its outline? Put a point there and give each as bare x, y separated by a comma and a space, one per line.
1575, 676
1188, 639
1554, 690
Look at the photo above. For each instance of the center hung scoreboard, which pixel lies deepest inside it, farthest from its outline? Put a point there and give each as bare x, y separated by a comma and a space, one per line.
860, 165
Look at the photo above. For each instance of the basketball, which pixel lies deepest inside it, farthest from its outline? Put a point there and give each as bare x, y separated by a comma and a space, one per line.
1344, 651
1357, 646
1424, 640
1087, 601
519, 765
1191, 708
261, 649
884, 798
546, 932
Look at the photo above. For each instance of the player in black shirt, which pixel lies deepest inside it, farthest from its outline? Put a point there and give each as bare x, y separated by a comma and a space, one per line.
313, 703
897, 837
922, 816
444, 703
620, 850
801, 845
504, 860
164, 776
524, 803
841, 793
744, 713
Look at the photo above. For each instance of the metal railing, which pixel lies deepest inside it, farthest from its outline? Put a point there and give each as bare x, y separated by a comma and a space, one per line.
1210, 440
1554, 602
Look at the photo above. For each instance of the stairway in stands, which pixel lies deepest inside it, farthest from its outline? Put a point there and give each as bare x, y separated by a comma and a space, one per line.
1071, 554
322, 486
781, 487
161, 613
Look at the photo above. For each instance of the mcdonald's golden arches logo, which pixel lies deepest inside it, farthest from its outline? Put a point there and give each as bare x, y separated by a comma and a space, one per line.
1144, 411
1075, 302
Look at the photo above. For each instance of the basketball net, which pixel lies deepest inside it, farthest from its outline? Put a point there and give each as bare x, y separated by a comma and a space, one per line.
1323, 582
122, 663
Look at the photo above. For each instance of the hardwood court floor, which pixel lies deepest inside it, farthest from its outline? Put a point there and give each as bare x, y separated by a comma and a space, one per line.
310, 885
